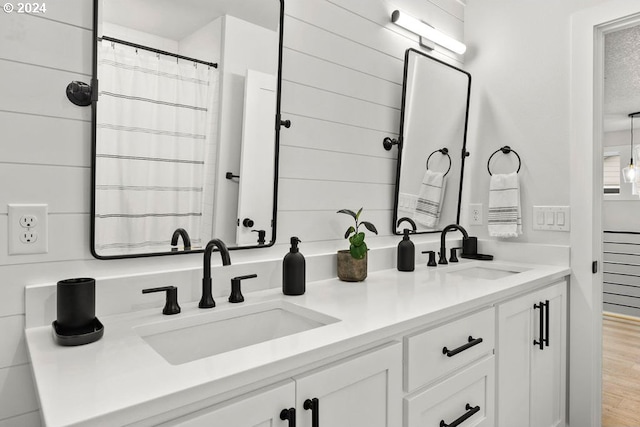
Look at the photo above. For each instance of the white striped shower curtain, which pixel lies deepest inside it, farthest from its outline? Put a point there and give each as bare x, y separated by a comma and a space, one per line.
156, 146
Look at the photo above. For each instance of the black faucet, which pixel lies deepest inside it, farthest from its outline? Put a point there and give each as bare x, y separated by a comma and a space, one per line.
443, 249
180, 232
206, 301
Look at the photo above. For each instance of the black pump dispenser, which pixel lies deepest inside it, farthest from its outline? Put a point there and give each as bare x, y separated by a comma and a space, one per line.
406, 249
293, 270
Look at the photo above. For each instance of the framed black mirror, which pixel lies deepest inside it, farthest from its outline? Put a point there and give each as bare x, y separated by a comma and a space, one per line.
185, 125
432, 143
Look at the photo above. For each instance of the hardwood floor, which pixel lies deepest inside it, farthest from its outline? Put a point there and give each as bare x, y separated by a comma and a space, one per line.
620, 372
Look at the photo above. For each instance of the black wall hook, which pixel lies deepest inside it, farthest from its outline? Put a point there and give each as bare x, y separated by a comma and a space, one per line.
79, 93
505, 150
388, 143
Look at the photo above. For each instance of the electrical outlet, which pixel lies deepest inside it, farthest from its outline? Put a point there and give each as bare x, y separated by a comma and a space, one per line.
28, 237
28, 225
28, 221
475, 214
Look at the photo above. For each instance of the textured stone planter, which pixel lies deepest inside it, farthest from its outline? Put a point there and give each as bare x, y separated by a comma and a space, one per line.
351, 269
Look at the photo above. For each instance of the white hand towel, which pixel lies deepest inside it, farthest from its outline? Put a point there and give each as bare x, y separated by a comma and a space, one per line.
505, 219
430, 197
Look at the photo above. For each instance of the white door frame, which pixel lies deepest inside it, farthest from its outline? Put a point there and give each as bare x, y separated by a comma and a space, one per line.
585, 338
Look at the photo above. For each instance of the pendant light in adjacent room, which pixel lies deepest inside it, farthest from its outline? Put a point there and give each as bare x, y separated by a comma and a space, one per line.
629, 172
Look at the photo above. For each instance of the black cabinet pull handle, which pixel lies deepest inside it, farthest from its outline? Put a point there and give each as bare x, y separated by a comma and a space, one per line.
463, 418
289, 414
540, 343
546, 323
471, 343
314, 406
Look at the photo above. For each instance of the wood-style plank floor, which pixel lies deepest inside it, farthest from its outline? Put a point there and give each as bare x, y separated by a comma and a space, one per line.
620, 372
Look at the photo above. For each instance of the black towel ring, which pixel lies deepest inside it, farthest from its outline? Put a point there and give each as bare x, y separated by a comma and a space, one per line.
505, 150
445, 152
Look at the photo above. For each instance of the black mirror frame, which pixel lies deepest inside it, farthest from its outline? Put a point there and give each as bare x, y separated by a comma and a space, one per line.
464, 154
278, 125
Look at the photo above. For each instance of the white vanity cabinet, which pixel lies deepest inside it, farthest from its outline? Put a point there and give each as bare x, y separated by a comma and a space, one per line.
257, 409
364, 390
531, 359
450, 372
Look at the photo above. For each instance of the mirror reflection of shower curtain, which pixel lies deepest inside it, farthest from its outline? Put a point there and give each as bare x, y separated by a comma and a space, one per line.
157, 129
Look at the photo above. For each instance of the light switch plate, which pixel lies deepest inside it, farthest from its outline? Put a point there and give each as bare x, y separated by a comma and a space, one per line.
551, 218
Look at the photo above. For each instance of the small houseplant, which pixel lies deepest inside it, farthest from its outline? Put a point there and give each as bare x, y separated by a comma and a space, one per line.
352, 263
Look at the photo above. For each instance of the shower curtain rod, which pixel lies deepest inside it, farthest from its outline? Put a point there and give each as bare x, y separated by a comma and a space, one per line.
161, 52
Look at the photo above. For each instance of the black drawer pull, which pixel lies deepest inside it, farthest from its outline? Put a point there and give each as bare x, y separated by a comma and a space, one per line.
289, 414
470, 344
313, 405
544, 324
463, 418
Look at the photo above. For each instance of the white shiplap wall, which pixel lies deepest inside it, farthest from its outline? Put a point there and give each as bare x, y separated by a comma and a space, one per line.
342, 83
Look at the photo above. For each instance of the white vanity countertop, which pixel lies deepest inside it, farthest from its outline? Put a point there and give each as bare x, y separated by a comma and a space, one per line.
120, 379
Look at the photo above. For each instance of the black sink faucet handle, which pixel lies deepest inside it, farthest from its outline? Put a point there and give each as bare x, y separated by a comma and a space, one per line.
236, 293
432, 258
171, 304
453, 257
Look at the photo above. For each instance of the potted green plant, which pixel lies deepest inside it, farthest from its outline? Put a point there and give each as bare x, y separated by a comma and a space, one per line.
352, 263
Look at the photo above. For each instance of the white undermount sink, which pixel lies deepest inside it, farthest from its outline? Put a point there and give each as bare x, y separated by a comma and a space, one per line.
489, 272
186, 339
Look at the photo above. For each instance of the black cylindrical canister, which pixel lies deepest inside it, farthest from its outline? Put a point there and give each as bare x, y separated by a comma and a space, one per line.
470, 246
76, 303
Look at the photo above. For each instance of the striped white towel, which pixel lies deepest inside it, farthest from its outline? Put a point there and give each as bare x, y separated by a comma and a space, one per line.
430, 197
505, 218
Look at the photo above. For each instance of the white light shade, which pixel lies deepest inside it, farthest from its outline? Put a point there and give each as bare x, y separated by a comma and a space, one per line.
426, 31
629, 173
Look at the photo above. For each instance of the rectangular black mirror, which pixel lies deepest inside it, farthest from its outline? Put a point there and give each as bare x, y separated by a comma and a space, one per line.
432, 143
186, 124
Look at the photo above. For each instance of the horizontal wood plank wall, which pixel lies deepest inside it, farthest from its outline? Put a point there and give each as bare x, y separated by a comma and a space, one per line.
342, 87
621, 270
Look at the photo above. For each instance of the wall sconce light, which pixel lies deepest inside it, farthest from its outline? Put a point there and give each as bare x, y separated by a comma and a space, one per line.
629, 173
428, 32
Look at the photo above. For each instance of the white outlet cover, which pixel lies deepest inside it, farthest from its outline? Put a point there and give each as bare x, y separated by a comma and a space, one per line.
475, 214
23, 239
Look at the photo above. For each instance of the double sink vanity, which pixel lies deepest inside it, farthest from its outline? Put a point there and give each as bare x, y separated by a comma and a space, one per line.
472, 344
475, 343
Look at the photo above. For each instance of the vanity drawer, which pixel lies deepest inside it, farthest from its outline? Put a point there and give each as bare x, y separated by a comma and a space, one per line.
467, 397
425, 359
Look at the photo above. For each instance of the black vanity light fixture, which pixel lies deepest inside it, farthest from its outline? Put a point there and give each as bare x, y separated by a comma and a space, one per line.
426, 31
629, 173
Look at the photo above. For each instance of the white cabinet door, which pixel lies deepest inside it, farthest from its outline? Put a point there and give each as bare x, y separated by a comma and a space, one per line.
548, 367
362, 391
531, 378
258, 409
255, 191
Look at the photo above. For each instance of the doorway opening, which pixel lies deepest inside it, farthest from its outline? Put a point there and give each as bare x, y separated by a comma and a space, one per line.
620, 203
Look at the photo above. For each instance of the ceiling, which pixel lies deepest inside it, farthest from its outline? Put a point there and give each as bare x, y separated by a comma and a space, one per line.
621, 78
176, 19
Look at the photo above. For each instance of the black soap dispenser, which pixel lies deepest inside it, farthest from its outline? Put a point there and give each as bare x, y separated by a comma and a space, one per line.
406, 249
293, 270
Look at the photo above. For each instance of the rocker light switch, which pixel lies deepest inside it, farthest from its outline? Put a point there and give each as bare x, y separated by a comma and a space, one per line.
551, 218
